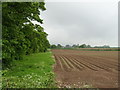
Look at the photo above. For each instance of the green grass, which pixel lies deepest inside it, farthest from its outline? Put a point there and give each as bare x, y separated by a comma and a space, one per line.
34, 71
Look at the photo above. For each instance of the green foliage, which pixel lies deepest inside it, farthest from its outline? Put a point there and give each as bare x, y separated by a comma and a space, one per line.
105, 46
53, 46
34, 71
29, 81
82, 46
67, 46
58, 46
0, 48
75, 46
19, 35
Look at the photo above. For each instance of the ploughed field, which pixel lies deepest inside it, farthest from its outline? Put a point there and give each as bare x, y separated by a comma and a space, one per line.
97, 69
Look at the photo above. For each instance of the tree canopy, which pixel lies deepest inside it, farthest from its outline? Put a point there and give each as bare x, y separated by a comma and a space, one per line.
19, 35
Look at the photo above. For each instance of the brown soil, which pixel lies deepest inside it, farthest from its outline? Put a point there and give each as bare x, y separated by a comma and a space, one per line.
76, 69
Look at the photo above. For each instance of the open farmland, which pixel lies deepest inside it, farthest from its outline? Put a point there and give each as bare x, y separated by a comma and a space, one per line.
74, 68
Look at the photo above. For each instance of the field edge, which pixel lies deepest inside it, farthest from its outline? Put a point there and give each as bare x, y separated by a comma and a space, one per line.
34, 71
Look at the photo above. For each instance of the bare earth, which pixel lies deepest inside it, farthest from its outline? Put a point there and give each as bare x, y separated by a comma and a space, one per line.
97, 69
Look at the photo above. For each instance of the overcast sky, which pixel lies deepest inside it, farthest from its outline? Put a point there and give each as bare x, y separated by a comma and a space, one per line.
93, 22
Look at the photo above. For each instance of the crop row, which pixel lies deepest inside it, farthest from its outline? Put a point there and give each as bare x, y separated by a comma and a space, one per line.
67, 63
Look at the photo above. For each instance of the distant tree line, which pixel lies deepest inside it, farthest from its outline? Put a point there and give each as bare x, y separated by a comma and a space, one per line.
104, 46
78, 46
19, 35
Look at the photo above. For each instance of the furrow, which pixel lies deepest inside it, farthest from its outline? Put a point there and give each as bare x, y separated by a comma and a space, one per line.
70, 63
56, 60
78, 63
74, 63
59, 63
103, 67
64, 62
103, 61
86, 65
106, 67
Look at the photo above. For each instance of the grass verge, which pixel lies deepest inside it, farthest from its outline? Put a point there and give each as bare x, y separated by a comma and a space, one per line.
35, 71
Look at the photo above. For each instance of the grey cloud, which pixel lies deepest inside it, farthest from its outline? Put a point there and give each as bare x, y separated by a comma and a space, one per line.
90, 23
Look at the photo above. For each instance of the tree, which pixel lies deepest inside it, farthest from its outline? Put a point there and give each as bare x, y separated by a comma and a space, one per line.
19, 35
75, 46
67, 46
59, 46
53, 46
104, 46
88, 46
82, 46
